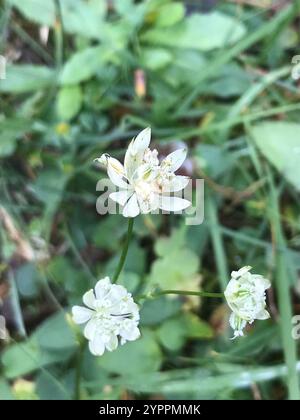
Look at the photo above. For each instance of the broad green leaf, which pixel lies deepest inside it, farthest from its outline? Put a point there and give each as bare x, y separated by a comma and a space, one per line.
177, 270
174, 332
186, 68
55, 334
23, 358
11, 130
165, 245
199, 31
280, 144
83, 65
5, 391
27, 278
232, 81
171, 334
214, 160
39, 11
69, 102
196, 327
169, 14
79, 17
140, 356
22, 78
49, 388
155, 58
84, 18
156, 311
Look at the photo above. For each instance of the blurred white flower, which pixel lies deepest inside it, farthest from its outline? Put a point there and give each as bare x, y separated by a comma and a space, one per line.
145, 184
246, 297
111, 314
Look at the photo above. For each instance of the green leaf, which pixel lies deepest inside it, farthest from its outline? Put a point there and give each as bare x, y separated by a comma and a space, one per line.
177, 270
172, 334
55, 334
23, 358
169, 14
11, 130
22, 78
49, 388
214, 160
199, 31
196, 328
165, 245
135, 357
69, 102
27, 278
5, 391
232, 81
155, 58
279, 142
82, 65
37, 11
84, 18
155, 311
79, 17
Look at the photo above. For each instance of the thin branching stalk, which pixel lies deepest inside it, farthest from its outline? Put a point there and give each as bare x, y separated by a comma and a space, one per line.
125, 250
180, 292
283, 291
217, 240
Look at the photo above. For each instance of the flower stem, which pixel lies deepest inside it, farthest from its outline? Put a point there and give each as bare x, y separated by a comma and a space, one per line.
181, 292
80, 354
283, 286
125, 250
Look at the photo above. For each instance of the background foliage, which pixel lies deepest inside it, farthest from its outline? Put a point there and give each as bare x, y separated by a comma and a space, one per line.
214, 75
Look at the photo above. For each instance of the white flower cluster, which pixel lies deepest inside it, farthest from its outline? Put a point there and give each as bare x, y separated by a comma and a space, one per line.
246, 297
145, 184
111, 314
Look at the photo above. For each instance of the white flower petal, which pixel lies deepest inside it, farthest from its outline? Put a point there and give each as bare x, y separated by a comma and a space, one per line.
132, 208
102, 160
129, 331
116, 173
81, 314
121, 197
112, 344
178, 183
168, 203
237, 324
135, 152
96, 345
117, 292
90, 329
264, 314
240, 272
102, 287
175, 159
142, 140
89, 299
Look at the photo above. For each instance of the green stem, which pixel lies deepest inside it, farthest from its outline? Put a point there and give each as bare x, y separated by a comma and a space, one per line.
125, 250
217, 240
181, 292
283, 291
59, 36
80, 354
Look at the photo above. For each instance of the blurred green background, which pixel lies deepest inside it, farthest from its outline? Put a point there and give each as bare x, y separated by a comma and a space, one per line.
82, 78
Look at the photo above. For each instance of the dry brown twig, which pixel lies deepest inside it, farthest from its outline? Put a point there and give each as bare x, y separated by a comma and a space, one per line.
24, 249
229, 192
